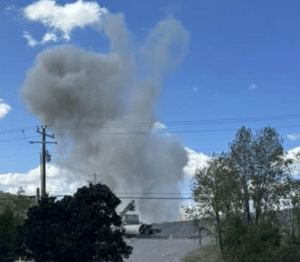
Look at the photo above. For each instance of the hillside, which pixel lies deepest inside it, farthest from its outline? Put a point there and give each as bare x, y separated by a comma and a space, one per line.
18, 203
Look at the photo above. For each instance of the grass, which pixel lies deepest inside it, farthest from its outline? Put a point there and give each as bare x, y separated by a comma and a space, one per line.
207, 253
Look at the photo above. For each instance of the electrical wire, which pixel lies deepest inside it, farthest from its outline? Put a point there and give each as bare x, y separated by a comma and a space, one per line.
160, 132
16, 139
16, 130
169, 123
185, 122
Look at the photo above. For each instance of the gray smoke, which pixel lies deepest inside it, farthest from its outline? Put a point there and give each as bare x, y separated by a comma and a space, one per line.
102, 109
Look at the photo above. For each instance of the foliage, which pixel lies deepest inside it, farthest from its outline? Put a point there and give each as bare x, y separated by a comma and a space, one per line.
253, 175
242, 159
289, 253
12, 216
21, 205
212, 199
259, 163
8, 229
291, 217
77, 228
210, 252
254, 243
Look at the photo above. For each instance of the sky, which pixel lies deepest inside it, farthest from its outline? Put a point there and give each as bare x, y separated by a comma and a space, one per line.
187, 74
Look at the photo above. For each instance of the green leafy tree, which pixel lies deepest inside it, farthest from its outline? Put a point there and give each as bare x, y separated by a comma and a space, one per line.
8, 229
242, 159
269, 177
21, 204
214, 189
78, 228
242, 192
254, 243
263, 179
13, 215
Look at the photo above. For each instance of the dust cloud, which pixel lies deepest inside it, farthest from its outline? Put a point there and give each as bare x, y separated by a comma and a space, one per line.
101, 107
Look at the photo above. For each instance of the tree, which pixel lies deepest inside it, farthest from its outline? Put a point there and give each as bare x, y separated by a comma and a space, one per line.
259, 162
241, 190
269, 177
78, 228
214, 189
21, 205
241, 157
8, 229
263, 179
12, 216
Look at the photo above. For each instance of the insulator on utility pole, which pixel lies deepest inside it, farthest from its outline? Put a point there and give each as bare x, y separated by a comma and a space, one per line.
48, 157
43, 170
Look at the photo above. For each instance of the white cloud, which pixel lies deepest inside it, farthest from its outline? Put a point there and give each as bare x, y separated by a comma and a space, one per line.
158, 126
253, 86
30, 40
4, 109
196, 160
294, 154
59, 181
63, 181
62, 19
293, 137
49, 37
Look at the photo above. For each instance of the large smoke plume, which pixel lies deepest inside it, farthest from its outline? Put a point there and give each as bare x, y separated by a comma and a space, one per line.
102, 109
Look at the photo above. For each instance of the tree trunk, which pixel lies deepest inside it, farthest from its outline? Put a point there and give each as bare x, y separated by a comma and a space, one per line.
219, 231
200, 237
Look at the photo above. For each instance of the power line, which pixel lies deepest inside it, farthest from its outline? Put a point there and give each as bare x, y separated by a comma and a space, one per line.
16, 130
184, 122
184, 198
169, 123
160, 132
144, 132
16, 139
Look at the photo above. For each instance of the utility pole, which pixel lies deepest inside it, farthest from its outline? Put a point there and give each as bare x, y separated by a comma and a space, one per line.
95, 179
43, 142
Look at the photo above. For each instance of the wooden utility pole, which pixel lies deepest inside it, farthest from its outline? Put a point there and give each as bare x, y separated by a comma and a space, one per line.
37, 195
43, 142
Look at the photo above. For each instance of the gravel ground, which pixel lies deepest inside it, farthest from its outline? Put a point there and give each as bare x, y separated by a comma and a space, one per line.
161, 250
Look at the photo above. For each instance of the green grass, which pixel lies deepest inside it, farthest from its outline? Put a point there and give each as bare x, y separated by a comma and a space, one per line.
207, 253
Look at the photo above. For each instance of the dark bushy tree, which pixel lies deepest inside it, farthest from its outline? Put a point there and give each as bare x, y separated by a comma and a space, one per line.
255, 243
12, 215
8, 229
79, 228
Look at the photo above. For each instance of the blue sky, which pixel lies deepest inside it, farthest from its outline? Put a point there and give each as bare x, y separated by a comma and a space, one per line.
241, 68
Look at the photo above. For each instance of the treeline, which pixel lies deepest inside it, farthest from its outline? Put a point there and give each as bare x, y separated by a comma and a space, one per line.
244, 191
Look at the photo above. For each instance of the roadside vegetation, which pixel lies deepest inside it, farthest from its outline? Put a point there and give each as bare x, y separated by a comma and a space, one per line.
210, 252
12, 215
83, 227
244, 193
